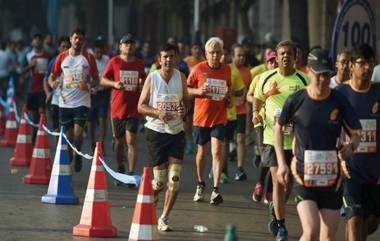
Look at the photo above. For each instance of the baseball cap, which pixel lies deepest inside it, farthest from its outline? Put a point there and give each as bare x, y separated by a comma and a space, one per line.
270, 55
128, 38
319, 61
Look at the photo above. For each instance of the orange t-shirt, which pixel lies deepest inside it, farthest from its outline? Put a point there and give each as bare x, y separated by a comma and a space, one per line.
191, 61
211, 109
245, 74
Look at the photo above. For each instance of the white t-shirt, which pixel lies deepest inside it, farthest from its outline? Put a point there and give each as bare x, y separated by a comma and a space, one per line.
101, 65
165, 96
376, 74
75, 69
333, 82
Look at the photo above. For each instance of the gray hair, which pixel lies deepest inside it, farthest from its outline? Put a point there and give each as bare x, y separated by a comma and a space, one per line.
214, 41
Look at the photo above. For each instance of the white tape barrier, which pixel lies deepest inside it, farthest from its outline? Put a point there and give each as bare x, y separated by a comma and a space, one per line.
16, 112
30, 122
124, 178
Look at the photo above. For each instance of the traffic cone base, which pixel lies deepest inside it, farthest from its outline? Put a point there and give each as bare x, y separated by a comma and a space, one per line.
91, 231
29, 179
60, 189
144, 222
142, 232
96, 219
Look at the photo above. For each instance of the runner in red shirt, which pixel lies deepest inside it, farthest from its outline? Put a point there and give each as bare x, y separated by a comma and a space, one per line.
209, 82
37, 60
124, 73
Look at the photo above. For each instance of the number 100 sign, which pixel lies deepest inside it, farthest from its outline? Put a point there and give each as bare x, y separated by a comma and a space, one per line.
355, 25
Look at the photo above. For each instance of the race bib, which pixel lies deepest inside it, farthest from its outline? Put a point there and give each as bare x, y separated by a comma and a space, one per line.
72, 78
41, 65
367, 137
320, 168
129, 79
167, 102
216, 89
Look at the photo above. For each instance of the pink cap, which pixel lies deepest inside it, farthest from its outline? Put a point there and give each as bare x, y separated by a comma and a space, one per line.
270, 55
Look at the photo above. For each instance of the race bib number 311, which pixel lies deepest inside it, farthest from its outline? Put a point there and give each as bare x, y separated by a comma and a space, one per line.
129, 79
367, 137
216, 89
321, 168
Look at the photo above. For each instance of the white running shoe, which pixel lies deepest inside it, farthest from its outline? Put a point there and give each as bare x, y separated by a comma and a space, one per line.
163, 224
198, 196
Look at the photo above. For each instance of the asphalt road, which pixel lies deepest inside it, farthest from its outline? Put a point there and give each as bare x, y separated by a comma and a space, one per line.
25, 218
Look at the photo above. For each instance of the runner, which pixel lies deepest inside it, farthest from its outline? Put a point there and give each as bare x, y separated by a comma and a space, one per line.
100, 98
342, 70
123, 74
272, 90
79, 73
37, 60
209, 82
52, 95
361, 192
196, 56
164, 100
317, 114
264, 183
243, 75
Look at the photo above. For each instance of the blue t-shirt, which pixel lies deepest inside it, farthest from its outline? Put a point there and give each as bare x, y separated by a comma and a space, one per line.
317, 126
365, 163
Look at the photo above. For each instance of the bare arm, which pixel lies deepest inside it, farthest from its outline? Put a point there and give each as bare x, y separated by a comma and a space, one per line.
256, 107
53, 81
250, 95
143, 105
197, 91
46, 86
185, 95
109, 83
283, 169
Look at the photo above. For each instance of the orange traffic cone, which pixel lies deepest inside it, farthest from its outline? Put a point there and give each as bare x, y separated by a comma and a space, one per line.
144, 223
10, 132
24, 148
40, 166
96, 219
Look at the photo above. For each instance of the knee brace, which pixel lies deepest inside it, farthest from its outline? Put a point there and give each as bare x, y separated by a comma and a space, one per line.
174, 175
160, 178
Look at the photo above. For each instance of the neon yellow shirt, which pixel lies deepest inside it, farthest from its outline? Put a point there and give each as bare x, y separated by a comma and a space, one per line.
273, 89
258, 70
237, 85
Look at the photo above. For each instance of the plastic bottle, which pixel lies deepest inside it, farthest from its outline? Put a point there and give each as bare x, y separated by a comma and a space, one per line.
200, 228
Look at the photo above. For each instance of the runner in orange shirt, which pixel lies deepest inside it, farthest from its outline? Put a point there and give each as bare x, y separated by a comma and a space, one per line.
209, 82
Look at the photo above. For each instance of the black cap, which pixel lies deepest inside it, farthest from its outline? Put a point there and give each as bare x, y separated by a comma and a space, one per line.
319, 61
128, 38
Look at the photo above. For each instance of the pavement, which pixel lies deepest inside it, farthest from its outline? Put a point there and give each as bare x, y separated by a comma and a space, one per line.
25, 218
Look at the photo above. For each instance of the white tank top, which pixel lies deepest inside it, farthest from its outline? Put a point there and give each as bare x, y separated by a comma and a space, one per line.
165, 96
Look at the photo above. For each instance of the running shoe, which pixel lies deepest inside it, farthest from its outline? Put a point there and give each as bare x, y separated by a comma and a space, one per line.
258, 193
240, 175
199, 196
272, 224
216, 198
163, 224
282, 234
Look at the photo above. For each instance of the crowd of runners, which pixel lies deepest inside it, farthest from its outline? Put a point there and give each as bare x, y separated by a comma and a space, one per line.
314, 126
